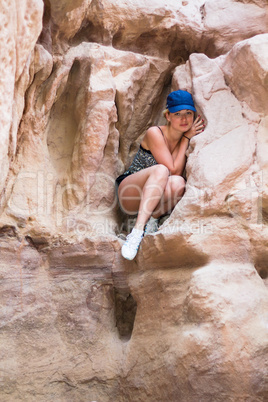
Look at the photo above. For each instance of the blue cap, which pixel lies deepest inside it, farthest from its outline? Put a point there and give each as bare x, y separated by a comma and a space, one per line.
180, 100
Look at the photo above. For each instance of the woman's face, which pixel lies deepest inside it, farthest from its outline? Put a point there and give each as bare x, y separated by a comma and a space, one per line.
182, 120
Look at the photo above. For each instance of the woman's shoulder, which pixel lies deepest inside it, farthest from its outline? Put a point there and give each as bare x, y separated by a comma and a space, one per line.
155, 130
152, 134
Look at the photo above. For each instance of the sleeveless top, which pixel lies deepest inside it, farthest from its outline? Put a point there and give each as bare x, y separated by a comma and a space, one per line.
142, 160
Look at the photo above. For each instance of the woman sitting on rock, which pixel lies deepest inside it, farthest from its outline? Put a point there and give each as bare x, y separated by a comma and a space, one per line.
153, 184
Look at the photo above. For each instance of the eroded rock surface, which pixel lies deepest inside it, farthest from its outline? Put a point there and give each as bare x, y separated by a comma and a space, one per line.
187, 320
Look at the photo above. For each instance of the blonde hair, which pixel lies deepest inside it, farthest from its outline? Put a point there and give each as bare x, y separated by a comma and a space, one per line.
165, 112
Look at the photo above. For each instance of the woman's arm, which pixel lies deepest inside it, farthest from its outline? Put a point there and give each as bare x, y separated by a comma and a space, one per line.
157, 145
176, 161
179, 156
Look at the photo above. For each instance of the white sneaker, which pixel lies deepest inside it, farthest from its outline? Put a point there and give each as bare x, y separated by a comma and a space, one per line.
131, 245
151, 226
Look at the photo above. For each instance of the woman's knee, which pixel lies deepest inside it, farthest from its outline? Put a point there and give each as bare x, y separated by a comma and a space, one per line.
160, 171
177, 185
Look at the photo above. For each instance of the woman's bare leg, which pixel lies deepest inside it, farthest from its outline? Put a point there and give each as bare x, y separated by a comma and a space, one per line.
150, 191
173, 192
142, 191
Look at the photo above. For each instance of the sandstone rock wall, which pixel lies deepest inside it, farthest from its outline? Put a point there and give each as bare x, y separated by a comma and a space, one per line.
81, 81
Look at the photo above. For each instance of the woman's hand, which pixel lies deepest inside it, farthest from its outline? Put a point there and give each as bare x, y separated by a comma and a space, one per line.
197, 128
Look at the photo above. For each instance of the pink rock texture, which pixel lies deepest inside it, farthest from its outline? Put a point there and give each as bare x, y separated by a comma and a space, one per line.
187, 320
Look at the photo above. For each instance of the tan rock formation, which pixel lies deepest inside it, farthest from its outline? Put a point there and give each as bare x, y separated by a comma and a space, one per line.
186, 321
20, 27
